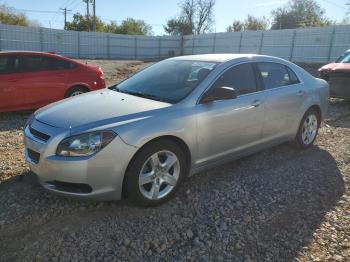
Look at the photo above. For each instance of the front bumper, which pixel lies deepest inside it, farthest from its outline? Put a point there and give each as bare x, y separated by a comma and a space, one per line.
98, 177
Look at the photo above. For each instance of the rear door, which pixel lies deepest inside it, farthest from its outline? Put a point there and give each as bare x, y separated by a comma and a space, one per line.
231, 126
11, 96
284, 94
44, 79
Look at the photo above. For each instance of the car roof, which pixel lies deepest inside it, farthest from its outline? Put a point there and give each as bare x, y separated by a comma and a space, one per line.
14, 52
219, 58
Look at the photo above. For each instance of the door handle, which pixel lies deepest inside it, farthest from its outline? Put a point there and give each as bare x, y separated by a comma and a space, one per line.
256, 103
300, 93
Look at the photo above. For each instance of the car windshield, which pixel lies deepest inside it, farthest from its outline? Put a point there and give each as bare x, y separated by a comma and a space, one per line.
345, 58
168, 81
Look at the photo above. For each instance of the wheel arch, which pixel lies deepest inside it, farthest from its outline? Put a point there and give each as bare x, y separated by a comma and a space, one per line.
82, 85
180, 142
317, 108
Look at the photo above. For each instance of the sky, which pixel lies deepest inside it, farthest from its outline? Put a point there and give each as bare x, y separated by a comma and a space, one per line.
156, 12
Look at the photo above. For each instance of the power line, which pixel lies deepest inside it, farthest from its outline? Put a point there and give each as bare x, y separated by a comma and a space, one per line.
36, 11
335, 4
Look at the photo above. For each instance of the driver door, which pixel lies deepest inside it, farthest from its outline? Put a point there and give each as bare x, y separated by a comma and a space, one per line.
227, 127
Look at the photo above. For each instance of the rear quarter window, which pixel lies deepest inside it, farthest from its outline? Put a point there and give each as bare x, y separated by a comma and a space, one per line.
276, 75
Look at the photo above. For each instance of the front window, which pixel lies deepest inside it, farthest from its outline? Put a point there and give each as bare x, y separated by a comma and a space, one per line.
169, 81
345, 58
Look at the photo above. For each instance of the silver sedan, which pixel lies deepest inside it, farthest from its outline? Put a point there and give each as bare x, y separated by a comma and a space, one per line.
141, 138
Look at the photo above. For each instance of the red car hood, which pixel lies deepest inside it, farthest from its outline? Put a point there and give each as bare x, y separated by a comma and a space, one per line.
340, 67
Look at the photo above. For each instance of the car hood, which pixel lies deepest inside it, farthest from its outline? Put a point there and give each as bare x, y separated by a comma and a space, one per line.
97, 108
343, 67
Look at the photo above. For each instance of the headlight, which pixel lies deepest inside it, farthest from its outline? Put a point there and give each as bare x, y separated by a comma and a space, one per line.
85, 144
29, 120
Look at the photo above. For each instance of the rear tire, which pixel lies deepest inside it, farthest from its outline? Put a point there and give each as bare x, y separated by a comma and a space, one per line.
155, 173
308, 129
75, 91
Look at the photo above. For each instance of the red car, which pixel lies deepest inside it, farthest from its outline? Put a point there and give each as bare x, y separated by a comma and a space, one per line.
338, 76
29, 80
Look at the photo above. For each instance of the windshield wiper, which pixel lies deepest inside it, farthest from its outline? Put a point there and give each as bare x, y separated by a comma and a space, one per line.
140, 94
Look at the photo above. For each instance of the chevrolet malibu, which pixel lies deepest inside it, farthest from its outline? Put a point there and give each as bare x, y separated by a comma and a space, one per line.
142, 137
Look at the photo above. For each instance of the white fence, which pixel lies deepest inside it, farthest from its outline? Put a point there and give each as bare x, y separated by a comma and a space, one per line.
299, 45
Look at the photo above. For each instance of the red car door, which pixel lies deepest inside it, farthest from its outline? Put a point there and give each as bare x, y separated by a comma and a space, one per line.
44, 79
11, 96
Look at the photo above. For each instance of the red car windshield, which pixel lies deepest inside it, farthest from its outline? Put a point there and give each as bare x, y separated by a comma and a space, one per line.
345, 58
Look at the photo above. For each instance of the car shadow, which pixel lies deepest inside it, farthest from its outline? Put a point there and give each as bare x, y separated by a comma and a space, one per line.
13, 120
266, 206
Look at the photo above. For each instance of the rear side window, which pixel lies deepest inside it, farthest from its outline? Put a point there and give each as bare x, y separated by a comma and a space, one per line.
276, 75
34, 63
240, 77
6, 64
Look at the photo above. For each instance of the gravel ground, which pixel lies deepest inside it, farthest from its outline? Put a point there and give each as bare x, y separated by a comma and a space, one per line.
278, 205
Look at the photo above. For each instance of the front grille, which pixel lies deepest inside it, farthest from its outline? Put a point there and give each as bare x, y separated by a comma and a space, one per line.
34, 156
70, 187
39, 135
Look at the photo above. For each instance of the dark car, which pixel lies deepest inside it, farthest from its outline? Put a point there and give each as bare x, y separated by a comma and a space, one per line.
30, 80
338, 76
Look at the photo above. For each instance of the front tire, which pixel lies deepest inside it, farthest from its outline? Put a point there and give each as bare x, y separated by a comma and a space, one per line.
308, 129
155, 173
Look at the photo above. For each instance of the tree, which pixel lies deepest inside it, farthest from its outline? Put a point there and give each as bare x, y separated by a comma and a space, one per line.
254, 24
235, 27
81, 23
131, 26
251, 23
196, 17
10, 17
299, 13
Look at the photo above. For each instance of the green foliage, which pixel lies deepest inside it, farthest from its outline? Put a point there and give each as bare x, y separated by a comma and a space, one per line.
236, 26
251, 23
178, 26
299, 13
81, 23
129, 26
10, 17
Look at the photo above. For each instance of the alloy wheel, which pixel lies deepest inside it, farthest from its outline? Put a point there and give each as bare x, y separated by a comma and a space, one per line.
309, 129
159, 175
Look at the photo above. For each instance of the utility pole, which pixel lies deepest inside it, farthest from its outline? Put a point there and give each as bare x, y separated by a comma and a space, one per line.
65, 16
94, 11
87, 13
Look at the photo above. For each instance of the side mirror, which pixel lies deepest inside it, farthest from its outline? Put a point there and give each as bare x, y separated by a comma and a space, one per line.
219, 93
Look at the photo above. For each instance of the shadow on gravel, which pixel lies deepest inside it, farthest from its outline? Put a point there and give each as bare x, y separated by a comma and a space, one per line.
13, 120
263, 207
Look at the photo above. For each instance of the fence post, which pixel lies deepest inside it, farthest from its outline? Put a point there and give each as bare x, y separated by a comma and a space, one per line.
331, 44
41, 39
214, 43
193, 44
182, 50
108, 47
1, 28
135, 47
261, 42
292, 45
240, 42
78, 44
159, 47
